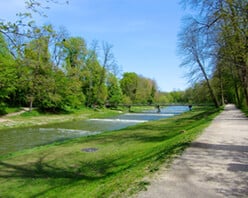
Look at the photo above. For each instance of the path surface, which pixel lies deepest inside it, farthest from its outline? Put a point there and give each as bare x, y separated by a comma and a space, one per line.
215, 165
4, 118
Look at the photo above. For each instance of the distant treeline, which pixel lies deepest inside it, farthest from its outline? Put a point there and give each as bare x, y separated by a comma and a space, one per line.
46, 68
57, 74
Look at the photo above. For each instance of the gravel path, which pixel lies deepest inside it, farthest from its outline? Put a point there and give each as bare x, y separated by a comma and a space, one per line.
4, 118
215, 165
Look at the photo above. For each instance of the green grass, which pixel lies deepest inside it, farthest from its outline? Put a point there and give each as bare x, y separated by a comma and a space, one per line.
117, 169
13, 109
32, 113
5, 110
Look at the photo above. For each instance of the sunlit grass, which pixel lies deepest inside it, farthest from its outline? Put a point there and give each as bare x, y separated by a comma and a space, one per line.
117, 168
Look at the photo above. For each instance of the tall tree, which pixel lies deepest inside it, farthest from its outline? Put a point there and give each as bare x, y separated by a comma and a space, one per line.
195, 50
114, 90
233, 38
16, 32
75, 51
8, 73
92, 73
146, 90
129, 83
38, 67
223, 25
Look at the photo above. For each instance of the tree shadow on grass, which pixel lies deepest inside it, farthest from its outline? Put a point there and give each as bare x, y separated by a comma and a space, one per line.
42, 169
84, 171
55, 176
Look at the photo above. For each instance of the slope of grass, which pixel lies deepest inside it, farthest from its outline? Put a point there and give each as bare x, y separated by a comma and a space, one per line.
117, 167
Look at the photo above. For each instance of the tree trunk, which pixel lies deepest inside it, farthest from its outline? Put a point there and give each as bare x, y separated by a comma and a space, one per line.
235, 87
243, 76
31, 105
31, 100
208, 83
221, 87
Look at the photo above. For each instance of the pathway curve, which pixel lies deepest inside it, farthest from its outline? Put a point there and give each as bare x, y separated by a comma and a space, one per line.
4, 118
215, 165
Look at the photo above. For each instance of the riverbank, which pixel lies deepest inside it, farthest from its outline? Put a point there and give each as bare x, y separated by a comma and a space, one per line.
111, 164
25, 118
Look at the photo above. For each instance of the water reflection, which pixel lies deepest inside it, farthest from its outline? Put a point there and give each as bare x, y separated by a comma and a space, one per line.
17, 139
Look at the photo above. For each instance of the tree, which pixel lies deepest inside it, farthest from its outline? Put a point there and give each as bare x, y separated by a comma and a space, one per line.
75, 52
198, 94
92, 74
8, 73
234, 45
129, 83
224, 25
146, 90
109, 68
67, 92
114, 91
18, 31
29, 45
58, 52
108, 60
194, 47
38, 79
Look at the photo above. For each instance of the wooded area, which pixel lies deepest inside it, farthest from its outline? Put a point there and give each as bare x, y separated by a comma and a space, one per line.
214, 48
45, 67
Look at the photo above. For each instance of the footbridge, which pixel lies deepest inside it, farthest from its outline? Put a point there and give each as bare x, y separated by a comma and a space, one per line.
157, 106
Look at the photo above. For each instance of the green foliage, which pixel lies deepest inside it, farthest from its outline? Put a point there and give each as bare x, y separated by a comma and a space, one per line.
215, 38
126, 100
129, 83
39, 82
7, 74
138, 89
54, 72
50, 70
146, 90
75, 52
64, 93
114, 91
198, 94
93, 88
13, 109
172, 97
32, 113
2, 109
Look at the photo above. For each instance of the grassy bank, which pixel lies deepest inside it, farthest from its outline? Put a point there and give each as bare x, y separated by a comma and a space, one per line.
116, 168
34, 117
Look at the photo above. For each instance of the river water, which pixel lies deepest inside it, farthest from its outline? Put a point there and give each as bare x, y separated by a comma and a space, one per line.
12, 140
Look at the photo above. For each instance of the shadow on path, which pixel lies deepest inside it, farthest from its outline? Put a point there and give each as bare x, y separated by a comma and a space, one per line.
237, 148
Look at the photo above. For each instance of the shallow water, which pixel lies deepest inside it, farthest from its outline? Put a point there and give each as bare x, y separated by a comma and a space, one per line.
12, 140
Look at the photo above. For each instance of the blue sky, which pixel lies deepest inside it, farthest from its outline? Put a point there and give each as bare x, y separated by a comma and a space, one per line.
143, 33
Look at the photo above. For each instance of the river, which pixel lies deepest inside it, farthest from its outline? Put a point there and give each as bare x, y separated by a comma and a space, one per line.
12, 140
